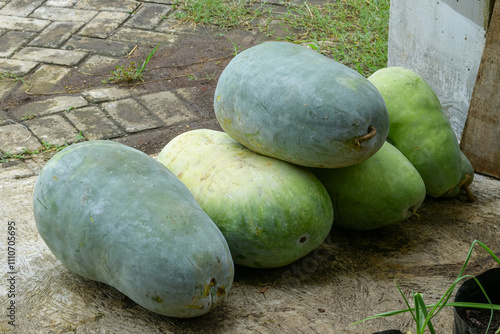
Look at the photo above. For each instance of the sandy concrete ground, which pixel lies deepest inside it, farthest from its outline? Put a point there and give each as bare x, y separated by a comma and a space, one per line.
349, 277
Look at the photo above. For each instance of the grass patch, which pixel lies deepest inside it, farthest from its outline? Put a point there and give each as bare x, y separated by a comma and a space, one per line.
353, 32
221, 13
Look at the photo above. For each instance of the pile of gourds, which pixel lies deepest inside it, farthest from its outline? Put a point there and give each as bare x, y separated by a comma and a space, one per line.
308, 143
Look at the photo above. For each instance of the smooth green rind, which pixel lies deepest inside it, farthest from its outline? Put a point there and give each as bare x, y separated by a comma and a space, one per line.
382, 190
113, 214
289, 102
465, 180
419, 128
271, 212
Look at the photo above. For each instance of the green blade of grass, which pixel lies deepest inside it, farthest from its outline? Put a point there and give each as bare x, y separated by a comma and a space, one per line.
148, 58
423, 317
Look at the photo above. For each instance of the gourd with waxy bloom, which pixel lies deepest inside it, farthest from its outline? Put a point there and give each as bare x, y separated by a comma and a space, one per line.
289, 102
115, 215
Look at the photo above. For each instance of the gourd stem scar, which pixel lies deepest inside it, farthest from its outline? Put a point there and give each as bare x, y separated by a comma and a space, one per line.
371, 133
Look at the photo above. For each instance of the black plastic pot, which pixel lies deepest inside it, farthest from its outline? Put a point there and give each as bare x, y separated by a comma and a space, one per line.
470, 292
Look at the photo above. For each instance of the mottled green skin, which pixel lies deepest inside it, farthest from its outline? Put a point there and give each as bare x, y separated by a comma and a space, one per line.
465, 180
385, 189
113, 214
289, 102
419, 128
271, 212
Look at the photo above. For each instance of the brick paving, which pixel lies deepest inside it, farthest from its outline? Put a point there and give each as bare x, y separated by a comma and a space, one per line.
42, 40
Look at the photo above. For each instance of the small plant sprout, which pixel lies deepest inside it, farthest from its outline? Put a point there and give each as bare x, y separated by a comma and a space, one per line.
210, 76
79, 137
9, 75
131, 72
192, 77
236, 48
28, 116
423, 314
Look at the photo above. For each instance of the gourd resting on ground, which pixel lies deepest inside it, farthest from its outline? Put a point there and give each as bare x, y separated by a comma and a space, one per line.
270, 211
115, 215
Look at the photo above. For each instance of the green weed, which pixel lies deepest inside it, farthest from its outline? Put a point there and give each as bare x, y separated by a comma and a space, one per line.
423, 314
28, 116
80, 137
131, 72
8, 75
46, 147
236, 48
207, 77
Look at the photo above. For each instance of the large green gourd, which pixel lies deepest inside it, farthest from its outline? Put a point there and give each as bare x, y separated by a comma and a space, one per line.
113, 214
270, 211
289, 102
382, 190
419, 128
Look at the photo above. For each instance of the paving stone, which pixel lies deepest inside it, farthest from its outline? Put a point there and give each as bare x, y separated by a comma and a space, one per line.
53, 129
188, 93
127, 6
61, 3
96, 64
18, 67
190, 96
93, 123
144, 36
13, 40
168, 107
99, 95
99, 46
4, 118
103, 24
16, 137
148, 16
50, 106
50, 56
45, 78
56, 34
22, 23
15, 170
20, 7
6, 87
63, 14
131, 115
